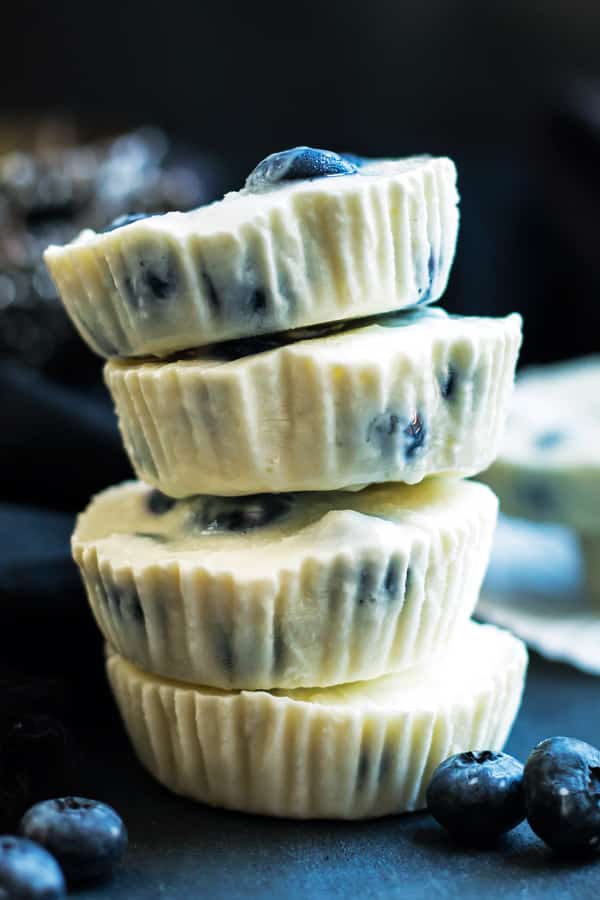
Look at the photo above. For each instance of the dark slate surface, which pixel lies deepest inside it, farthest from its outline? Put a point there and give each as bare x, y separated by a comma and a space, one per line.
181, 850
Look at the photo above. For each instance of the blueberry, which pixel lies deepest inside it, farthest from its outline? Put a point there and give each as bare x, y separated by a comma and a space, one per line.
367, 585
415, 435
391, 433
224, 651
28, 872
298, 164
562, 794
120, 221
37, 760
448, 383
158, 503
242, 513
477, 795
87, 837
547, 440
122, 601
391, 581
153, 280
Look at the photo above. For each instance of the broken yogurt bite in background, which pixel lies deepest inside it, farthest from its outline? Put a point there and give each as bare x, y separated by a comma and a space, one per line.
544, 582
272, 650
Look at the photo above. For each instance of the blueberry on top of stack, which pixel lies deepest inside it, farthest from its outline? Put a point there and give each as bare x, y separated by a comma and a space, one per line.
282, 637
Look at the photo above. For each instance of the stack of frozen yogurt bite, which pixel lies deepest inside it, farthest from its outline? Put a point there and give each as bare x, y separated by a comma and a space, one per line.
286, 592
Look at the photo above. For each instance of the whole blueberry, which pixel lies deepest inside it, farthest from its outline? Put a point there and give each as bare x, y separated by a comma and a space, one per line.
477, 795
28, 872
298, 164
127, 219
243, 513
87, 837
562, 794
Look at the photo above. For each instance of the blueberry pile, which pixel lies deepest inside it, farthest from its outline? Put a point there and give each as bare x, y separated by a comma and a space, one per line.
69, 840
478, 796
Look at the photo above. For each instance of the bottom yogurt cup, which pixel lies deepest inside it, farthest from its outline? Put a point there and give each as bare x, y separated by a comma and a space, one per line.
352, 751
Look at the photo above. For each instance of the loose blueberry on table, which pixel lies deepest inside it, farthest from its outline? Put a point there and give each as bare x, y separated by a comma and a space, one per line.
478, 795
298, 164
87, 837
562, 794
28, 872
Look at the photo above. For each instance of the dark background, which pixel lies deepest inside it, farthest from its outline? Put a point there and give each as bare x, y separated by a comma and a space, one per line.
509, 88
506, 87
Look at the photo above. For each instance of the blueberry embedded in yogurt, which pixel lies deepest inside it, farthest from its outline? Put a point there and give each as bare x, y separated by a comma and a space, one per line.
298, 164
562, 794
392, 433
242, 513
477, 795
87, 837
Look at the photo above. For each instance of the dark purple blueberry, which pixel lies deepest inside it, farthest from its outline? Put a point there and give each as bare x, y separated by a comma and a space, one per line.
127, 219
37, 760
547, 440
87, 837
414, 436
448, 383
478, 795
242, 513
28, 872
153, 280
224, 651
425, 293
158, 503
298, 164
392, 433
562, 794
367, 585
391, 581
121, 600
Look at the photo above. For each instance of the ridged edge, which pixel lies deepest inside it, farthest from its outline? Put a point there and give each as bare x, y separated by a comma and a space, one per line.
259, 753
291, 420
383, 246
331, 617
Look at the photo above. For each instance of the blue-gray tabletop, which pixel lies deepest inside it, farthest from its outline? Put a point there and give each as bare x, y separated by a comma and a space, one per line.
185, 851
